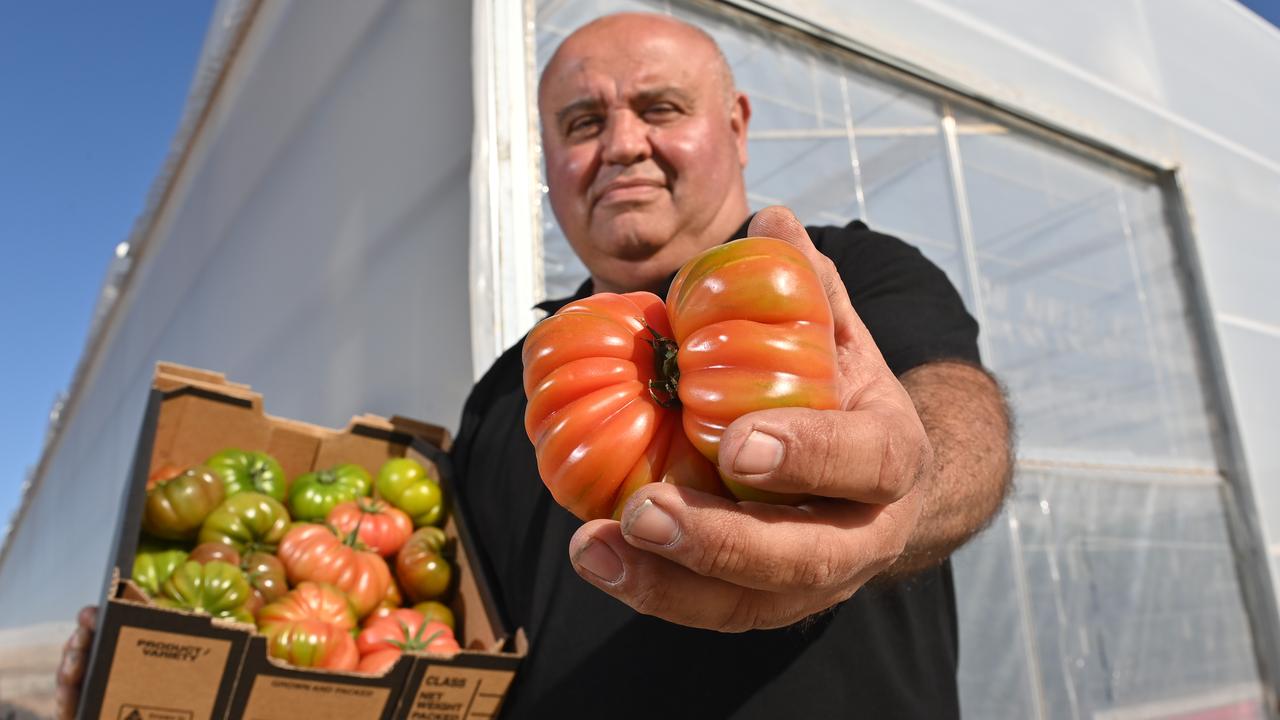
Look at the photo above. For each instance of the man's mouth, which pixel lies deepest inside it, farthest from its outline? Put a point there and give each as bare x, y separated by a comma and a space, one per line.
629, 191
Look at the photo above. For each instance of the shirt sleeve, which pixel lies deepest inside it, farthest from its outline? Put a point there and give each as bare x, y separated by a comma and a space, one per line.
908, 304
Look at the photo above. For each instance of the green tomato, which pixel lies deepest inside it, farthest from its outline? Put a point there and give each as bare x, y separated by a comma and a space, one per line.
405, 483
249, 471
154, 563
214, 588
177, 507
435, 610
314, 494
248, 521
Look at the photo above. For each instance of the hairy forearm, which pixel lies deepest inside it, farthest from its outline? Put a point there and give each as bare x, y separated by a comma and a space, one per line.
967, 420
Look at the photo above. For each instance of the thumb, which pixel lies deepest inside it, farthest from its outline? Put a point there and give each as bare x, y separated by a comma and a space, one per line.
779, 222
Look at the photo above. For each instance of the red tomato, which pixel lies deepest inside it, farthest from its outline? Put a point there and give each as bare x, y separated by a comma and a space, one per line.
313, 643
314, 552
310, 601
380, 526
379, 662
624, 390
408, 631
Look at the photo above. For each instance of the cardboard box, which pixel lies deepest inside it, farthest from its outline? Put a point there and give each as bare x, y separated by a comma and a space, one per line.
150, 663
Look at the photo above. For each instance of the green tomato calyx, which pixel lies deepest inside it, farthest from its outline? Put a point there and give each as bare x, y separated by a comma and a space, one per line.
415, 641
666, 382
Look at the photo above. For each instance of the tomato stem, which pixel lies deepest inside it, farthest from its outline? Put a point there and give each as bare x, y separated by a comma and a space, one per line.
352, 540
666, 383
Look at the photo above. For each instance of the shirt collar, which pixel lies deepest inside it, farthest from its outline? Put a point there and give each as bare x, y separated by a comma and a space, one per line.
585, 289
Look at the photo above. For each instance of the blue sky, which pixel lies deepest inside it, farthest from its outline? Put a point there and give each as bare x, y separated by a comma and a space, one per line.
90, 96
1269, 9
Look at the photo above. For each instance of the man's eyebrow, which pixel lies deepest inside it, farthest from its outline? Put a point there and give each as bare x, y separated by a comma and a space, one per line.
577, 106
666, 91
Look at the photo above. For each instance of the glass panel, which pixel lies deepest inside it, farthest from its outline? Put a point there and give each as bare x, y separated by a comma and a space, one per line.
903, 165
988, 563
1132, 594
1084, 321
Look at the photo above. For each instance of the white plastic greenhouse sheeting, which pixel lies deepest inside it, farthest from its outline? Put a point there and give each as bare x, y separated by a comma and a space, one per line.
315, 246
1187, 84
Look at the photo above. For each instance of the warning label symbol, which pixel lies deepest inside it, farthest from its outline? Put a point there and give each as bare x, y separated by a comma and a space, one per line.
142, 712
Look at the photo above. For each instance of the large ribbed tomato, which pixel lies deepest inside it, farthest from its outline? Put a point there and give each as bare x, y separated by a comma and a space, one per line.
625, 390
314, 552
313, 643
309, 601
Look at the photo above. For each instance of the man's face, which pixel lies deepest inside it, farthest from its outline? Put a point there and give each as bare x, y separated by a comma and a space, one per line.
644, 146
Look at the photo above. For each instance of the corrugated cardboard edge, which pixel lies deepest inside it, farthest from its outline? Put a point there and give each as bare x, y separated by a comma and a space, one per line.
118, 613
258, 664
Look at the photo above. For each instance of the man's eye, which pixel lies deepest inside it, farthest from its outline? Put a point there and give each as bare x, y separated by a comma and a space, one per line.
660, 111
586, 125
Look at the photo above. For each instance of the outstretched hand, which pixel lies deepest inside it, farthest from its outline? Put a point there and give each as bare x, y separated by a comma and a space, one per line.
709, 562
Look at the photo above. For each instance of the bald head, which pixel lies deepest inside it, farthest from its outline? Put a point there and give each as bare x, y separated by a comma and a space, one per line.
645, 141
696, 41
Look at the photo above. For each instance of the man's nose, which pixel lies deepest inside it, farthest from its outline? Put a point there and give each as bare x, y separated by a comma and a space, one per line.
626, 140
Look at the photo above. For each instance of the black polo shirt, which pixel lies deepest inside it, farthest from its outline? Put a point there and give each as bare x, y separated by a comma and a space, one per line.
888, 652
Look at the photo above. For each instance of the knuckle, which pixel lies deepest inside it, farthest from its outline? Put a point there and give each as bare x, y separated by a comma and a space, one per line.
823, 443
723, 555
819, 570
649, 598
898, 458
829, 266
744, 614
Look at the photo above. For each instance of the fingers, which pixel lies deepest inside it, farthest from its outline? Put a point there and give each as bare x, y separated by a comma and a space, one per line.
779, 222
71, 669
703, 561
872, 454
818, 547
654, 585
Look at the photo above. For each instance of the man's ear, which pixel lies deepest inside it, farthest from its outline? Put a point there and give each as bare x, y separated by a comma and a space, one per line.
739, 117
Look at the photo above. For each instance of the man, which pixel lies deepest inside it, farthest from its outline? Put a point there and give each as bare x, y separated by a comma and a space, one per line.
735, 609
645, 140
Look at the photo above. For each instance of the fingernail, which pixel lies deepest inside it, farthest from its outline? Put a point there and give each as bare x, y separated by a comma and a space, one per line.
760, 453
652, 524
600, 560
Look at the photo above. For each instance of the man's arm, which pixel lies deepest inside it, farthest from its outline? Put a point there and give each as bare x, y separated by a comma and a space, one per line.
967, 420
